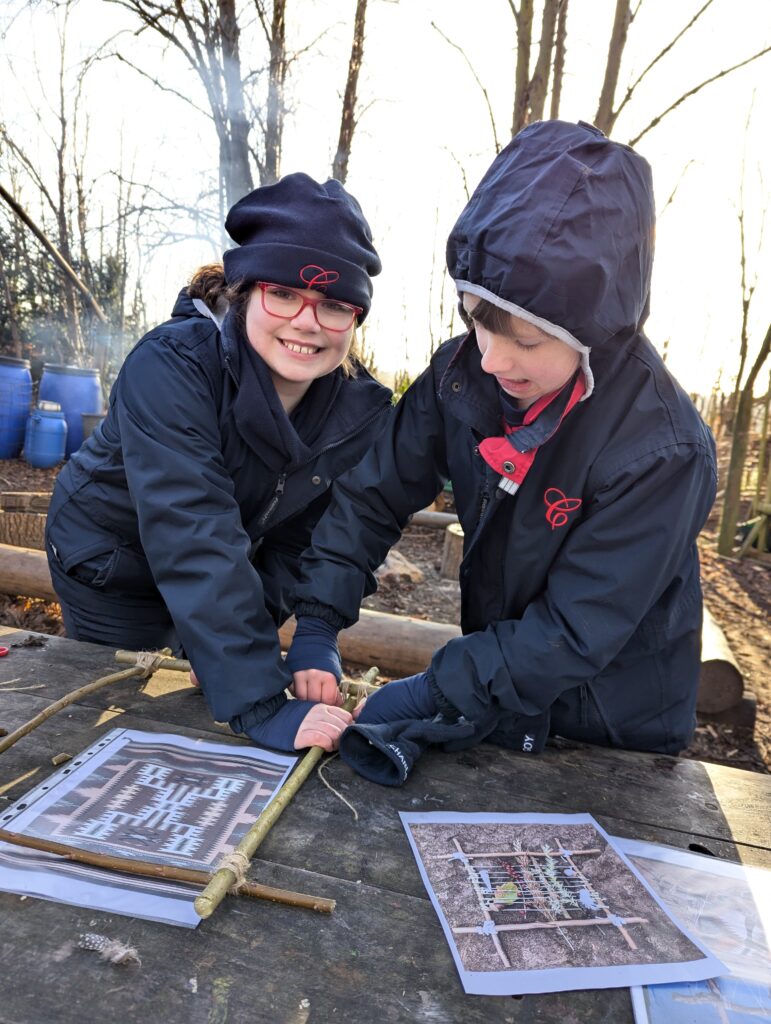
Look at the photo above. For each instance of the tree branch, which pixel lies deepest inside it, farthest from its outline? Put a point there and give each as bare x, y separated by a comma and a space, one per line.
157, 82
657, 58
692, 92
476, 79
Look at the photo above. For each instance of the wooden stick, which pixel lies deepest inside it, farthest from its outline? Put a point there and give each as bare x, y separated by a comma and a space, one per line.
181, 665
65, 701
147, 869
513, 853
582, 923
224, 878
176, 664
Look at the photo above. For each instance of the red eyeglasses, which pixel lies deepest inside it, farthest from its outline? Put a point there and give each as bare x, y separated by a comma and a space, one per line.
287, 303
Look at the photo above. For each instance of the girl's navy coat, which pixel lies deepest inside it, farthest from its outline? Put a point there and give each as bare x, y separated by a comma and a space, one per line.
194, 507
580, 594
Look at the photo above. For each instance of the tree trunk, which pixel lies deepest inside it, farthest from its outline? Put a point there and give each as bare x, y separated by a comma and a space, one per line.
739, 443
522, 74
761, 450
559, 59
539, 85
348, 118
235, 171
605, 117
274, 127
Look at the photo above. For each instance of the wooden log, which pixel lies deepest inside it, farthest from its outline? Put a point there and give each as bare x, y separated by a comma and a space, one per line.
452, 554
721, 685
25, 501
404, 645
24, 572
23, 529
438, 520
399, 644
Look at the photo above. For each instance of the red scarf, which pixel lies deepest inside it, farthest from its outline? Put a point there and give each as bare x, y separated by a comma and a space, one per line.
512, 455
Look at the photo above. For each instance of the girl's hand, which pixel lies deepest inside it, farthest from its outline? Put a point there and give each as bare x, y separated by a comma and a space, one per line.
193, 679
313, 684
322, 727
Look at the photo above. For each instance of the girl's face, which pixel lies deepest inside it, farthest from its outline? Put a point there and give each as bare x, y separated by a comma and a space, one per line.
296, 351
528, 365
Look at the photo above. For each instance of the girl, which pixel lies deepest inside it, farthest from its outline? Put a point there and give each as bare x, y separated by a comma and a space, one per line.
180, 522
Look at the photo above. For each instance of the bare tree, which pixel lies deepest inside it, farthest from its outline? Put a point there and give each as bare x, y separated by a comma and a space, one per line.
349, 117
530, 91
743, 392
739, 444
539, 83
606, 116
477, 79
524, 22
207, 37
275, 36
607, 110
560, 50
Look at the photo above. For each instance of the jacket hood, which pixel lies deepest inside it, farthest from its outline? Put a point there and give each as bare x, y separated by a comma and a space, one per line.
561, 228
184, 305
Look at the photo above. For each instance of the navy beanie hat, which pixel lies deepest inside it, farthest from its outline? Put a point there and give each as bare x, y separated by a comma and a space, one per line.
303, 234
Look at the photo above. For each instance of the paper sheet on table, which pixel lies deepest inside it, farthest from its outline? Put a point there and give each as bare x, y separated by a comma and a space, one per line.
728, 907
146, 796
547, 903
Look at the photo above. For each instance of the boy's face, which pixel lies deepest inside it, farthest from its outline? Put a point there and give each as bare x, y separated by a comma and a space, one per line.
527, 365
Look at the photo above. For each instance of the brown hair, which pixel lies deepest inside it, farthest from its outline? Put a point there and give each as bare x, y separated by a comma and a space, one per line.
489, 316
209, 285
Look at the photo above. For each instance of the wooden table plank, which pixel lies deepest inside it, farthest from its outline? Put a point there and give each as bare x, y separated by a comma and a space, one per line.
382, 955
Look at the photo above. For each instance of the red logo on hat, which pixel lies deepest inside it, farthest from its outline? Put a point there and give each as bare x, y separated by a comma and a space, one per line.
317, 277
558, 507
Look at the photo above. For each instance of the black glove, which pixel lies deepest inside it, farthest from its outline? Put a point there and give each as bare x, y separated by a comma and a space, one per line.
400, 701
385, 752
525, 733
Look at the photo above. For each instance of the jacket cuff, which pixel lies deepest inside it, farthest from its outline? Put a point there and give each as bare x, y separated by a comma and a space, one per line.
444, 706
257, 713
324, 612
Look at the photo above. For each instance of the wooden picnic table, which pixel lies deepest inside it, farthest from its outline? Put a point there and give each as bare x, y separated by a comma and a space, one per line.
381, 956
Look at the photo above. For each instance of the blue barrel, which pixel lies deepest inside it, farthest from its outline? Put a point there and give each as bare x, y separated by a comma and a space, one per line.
46, 435
15, 398
77, 390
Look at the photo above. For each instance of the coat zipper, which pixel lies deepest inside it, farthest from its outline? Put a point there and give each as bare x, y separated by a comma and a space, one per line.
278, 492
275, 499
484, 503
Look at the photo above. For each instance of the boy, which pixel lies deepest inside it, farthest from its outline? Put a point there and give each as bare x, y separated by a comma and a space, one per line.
581, 471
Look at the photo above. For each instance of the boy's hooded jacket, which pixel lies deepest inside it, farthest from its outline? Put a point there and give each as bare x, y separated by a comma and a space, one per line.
580, 593
203, 502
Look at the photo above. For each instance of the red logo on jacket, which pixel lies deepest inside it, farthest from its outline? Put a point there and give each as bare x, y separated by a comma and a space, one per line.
558, 507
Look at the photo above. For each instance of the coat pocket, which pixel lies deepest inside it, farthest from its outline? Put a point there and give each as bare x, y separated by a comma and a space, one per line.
120, 570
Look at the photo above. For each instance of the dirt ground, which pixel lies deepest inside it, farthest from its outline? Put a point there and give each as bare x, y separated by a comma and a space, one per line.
738, 594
